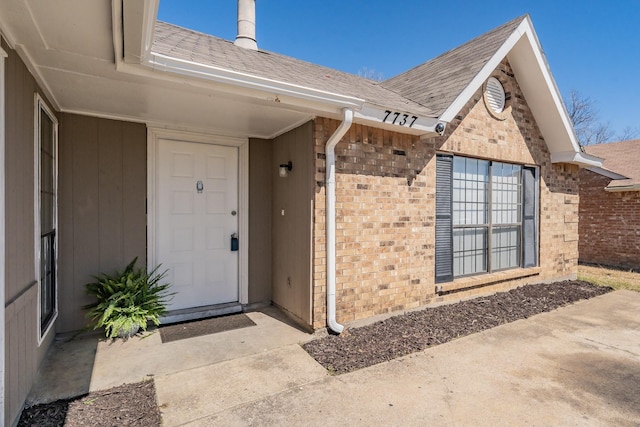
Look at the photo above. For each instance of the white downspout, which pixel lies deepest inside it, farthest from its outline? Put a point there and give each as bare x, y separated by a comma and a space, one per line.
347, 119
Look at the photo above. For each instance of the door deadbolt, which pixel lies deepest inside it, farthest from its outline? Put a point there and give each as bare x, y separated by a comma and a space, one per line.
233, 213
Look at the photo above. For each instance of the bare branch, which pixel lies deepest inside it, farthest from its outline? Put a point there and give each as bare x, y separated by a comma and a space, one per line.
370, 74
628, 133
581, 109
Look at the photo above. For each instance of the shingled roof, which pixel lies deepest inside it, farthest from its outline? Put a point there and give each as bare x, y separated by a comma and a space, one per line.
436, 83
189, 45
426, 90
434, 91
619, 157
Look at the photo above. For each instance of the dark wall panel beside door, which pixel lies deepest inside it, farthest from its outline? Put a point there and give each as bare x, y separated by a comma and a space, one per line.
292, 222
102, 214
260, 194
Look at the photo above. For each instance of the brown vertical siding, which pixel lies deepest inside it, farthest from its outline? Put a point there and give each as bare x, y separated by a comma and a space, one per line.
291, 232
22, 353
102, 198
260, 175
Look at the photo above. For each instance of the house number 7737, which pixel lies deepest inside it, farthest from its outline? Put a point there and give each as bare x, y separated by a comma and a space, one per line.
397, 118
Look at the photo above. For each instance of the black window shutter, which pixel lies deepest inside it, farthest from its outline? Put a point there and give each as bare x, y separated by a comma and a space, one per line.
529, 217
444, 227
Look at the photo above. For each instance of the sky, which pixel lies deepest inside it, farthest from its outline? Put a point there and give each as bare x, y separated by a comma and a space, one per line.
592, 47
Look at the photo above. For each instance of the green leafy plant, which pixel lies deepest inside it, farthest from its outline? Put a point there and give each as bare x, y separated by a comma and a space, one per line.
127, 300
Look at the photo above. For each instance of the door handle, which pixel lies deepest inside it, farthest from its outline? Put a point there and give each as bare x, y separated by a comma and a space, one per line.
234, 242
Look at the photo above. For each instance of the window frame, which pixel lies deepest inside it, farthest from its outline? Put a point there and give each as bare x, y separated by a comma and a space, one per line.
528, 250
40, 108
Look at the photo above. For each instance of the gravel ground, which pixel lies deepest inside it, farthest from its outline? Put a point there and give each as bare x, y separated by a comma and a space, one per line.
415, 331
136, 405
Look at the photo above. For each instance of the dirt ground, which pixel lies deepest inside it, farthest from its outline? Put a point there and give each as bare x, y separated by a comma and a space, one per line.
136, 404
616, 278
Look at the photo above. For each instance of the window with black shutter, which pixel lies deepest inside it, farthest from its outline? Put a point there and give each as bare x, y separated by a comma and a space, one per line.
486, 216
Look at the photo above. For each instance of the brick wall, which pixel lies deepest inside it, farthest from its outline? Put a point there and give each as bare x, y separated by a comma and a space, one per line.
385, 203
609, 223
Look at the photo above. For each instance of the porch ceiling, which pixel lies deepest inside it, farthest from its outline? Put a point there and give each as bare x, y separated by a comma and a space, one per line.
69, 47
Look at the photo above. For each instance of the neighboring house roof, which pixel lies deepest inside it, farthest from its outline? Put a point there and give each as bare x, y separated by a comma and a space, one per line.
621, 158
436, 83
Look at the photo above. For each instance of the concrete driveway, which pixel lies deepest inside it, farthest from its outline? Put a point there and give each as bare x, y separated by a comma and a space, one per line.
578, 365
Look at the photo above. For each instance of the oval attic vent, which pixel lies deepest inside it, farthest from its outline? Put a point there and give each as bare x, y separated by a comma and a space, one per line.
495, 95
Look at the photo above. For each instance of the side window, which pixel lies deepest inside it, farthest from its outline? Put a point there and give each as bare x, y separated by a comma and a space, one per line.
486, 216
46, 203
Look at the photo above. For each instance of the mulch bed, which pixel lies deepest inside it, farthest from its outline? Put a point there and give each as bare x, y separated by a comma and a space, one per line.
415, 331
126, 405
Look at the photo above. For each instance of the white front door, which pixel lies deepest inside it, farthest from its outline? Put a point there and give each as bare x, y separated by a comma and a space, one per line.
197, 204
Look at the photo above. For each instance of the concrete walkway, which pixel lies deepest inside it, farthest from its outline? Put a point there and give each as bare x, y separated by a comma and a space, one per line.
578, 365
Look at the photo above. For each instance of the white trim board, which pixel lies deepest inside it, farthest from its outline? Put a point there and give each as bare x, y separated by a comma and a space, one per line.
3, 55
153, 137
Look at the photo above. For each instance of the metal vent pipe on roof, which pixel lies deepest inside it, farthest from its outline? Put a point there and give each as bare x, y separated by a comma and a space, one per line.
246, 37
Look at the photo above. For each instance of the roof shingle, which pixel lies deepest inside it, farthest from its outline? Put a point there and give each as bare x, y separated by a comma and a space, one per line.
620, 157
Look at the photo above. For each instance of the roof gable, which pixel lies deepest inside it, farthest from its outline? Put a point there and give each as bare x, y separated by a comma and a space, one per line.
438, 82
446, 83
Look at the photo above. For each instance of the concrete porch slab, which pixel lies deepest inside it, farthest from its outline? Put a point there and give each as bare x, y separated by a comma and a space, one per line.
78, 365
193, 394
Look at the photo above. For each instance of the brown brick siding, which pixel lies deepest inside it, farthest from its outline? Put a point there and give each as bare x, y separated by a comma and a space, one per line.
609, 225
385, 203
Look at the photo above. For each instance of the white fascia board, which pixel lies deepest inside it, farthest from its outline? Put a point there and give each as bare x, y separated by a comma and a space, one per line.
634, 187
545, 69
576, 158
139, 19
381, 117
220, 75
607, 173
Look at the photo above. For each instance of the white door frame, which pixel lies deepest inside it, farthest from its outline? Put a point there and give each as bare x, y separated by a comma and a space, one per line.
153, 136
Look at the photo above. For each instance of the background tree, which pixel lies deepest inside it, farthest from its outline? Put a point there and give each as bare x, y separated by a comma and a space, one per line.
370, 74
586, 121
